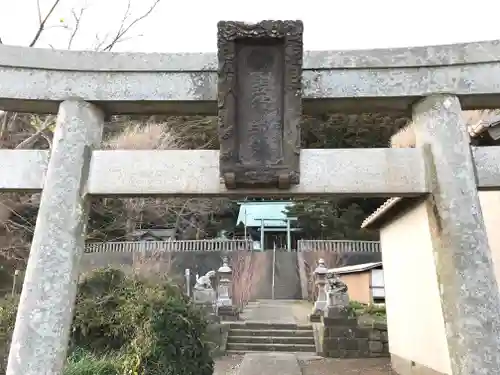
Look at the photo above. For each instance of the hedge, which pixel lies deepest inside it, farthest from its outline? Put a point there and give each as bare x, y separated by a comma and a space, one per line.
127, 325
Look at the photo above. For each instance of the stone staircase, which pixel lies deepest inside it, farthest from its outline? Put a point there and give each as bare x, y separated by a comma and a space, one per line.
287, 279
270, 337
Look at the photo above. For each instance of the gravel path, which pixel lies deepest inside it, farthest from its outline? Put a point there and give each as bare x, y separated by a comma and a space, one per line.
332, 366
301, 310
228, 365
277, 311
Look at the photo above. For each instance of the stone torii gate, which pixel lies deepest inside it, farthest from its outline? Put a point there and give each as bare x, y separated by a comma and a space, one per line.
259, 84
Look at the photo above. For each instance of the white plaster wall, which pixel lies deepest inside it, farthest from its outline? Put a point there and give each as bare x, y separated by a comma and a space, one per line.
490, 204
414, 316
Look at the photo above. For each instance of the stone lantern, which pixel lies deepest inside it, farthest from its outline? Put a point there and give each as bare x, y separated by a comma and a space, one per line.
224, 284
320, 281
225, 308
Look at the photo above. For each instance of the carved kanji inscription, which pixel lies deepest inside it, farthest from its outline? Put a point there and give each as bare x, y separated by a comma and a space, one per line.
260, 68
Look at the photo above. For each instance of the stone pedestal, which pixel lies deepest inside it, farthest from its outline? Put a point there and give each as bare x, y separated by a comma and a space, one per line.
206, 299
337, 306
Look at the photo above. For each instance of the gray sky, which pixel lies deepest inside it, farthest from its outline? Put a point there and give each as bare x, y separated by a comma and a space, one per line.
190, 25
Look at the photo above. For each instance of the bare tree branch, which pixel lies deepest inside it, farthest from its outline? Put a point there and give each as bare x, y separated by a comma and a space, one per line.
3, 129
20, 132
47, 139
78, 19
123, 29
43, 22
39, 9
6, 124
99, 43
27, 143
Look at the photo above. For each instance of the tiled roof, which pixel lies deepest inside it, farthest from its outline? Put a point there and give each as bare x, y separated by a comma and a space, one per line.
355, 268
474, 131
386, 206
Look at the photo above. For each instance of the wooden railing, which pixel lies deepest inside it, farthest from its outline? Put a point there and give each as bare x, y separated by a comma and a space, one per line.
340, 246
186, 245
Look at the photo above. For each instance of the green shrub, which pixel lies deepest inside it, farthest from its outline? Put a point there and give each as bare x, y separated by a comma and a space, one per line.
359, 308
177, 343
8, 311
378, 310
132, 327
107, 311
84, 363
356, 305
154, 324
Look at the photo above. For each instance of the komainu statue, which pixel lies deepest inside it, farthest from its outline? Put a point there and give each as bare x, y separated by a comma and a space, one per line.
336, 286
337, 297
204, 282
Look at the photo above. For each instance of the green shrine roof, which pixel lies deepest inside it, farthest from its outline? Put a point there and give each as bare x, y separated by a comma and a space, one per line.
273, 214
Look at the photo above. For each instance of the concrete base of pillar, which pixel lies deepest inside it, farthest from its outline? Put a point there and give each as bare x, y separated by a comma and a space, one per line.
228, 313
405, 366
315, 318
337, 312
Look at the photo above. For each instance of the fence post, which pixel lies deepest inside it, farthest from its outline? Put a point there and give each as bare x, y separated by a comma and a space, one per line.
41, 333
274, 271
470, 299
187, 275
14, 283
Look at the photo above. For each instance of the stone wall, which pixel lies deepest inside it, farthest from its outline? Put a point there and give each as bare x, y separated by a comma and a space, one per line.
155, 262
173, 264
345, 338
217, 333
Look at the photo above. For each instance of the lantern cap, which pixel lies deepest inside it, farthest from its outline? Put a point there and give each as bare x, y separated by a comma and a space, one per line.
321, 269
225, 266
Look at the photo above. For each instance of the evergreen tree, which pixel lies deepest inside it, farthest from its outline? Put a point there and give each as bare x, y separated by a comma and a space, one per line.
341, 217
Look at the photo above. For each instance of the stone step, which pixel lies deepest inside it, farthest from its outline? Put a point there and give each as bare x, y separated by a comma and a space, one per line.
270, 340
271, 325
271, 332
249, 347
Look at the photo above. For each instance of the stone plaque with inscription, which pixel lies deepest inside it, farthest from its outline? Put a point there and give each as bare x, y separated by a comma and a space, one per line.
259, 102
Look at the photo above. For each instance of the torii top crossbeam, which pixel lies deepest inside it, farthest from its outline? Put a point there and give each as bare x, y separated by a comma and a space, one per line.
186, 83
